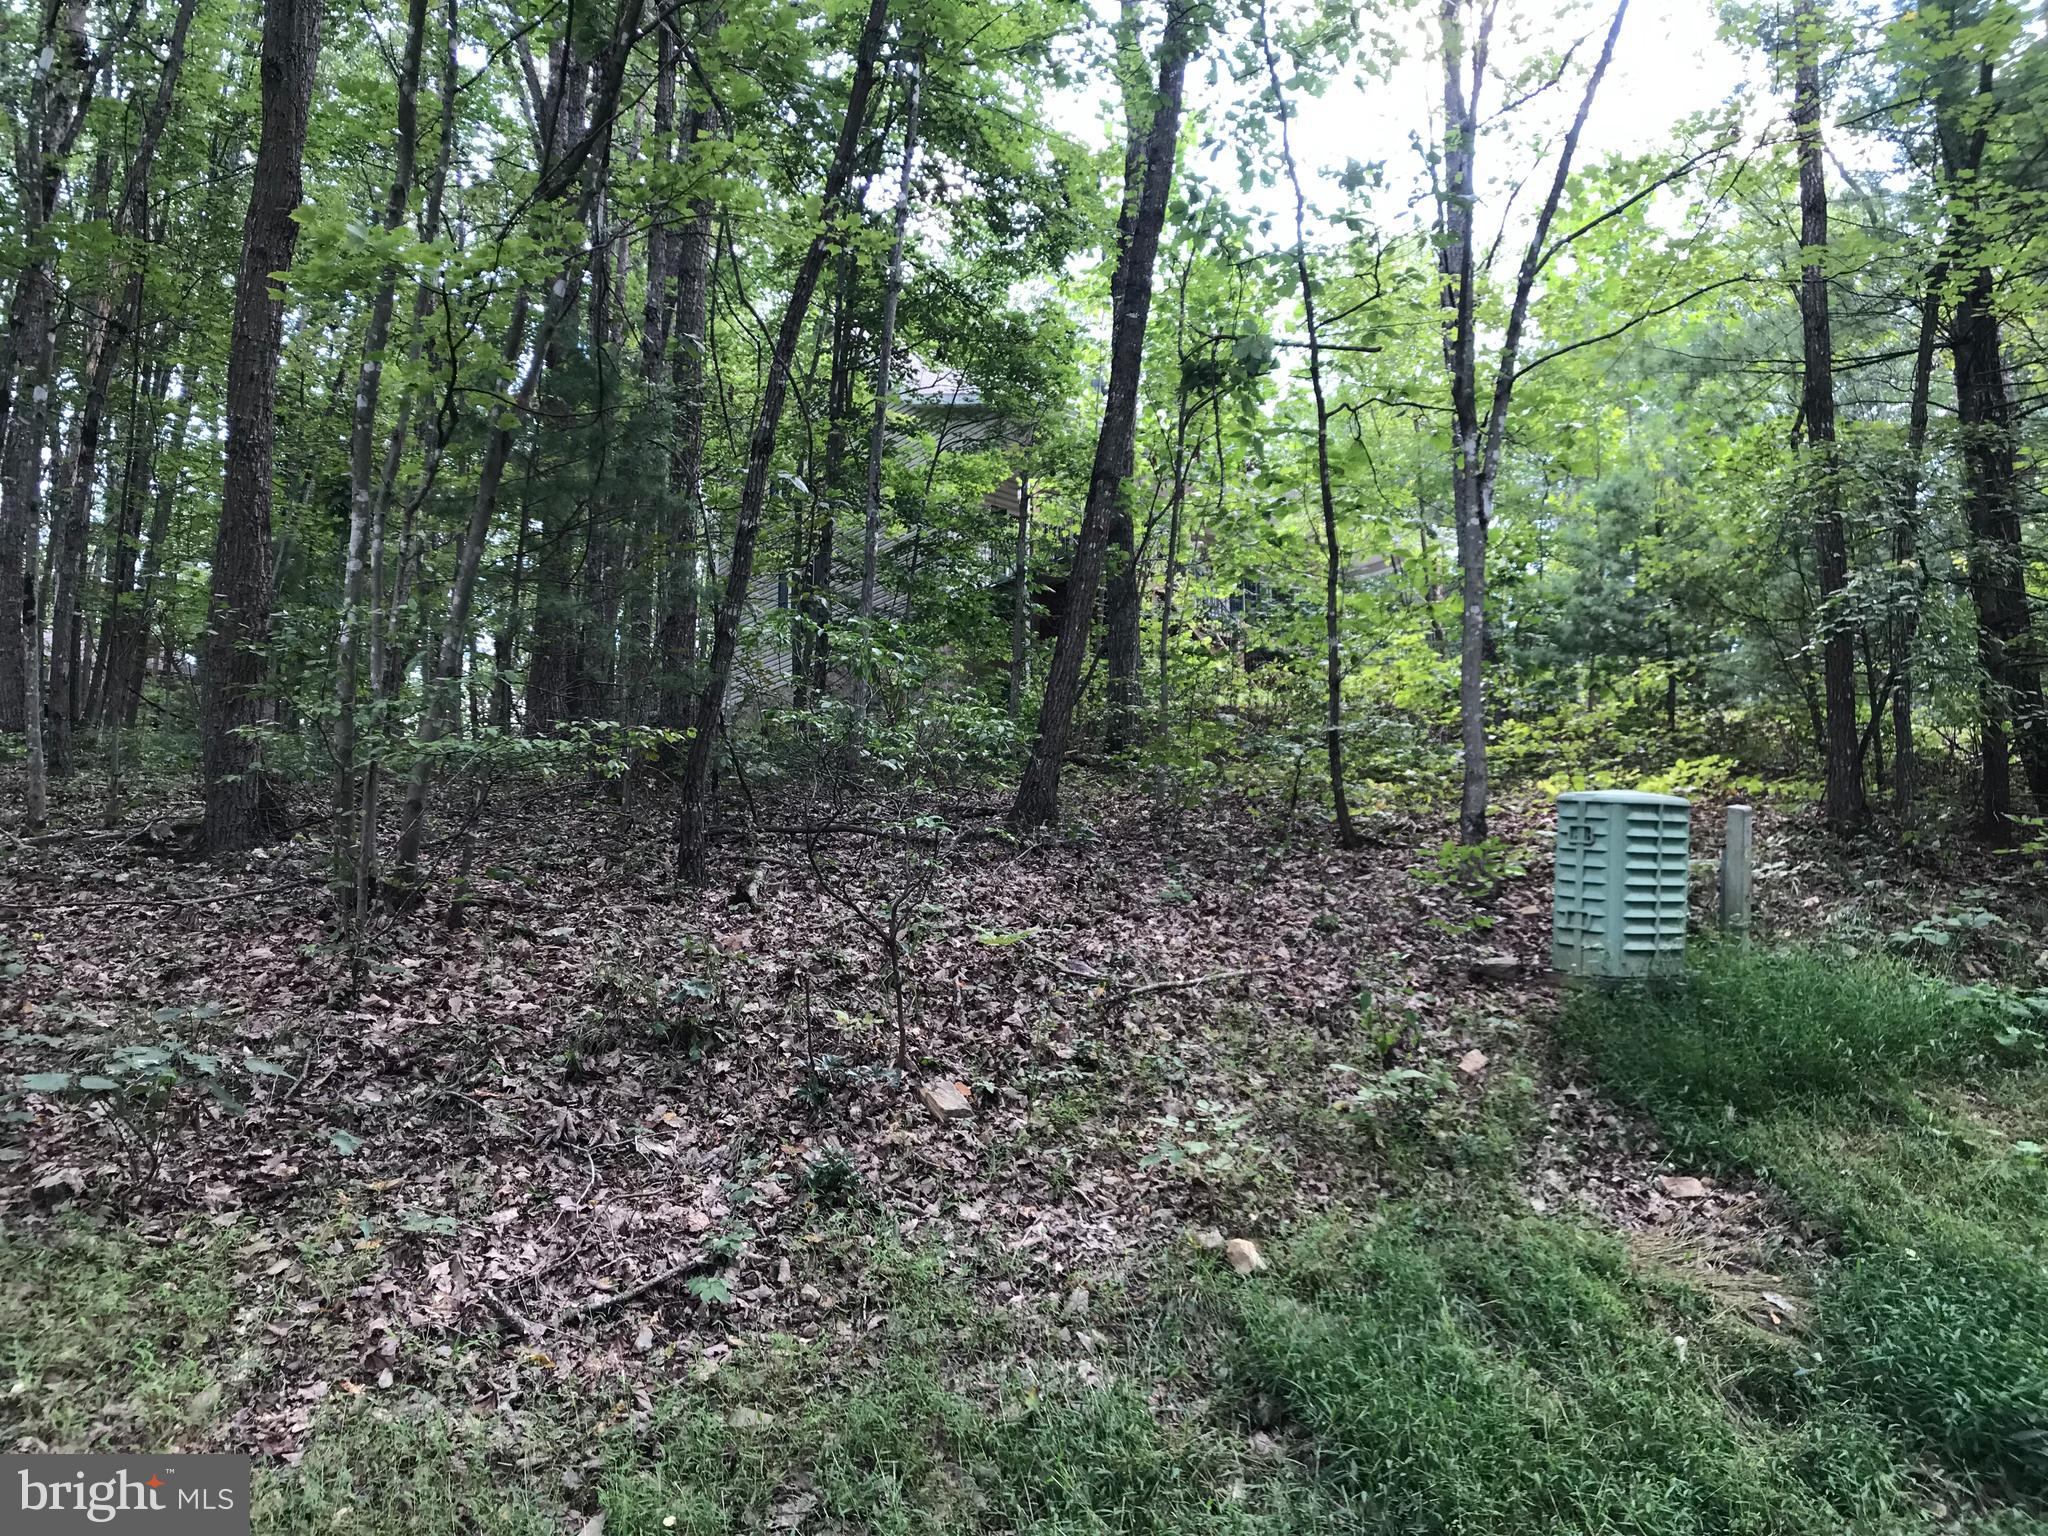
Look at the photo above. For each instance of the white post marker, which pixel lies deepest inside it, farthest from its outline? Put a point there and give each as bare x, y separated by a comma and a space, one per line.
1735, 863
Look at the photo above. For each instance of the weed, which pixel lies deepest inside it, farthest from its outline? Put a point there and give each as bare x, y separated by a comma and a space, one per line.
832, 1180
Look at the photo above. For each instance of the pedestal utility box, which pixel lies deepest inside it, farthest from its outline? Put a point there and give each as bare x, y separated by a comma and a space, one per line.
1623, 866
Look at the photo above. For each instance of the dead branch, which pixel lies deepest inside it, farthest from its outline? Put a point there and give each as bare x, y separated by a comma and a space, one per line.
1188, 983
153, 901
700, 1263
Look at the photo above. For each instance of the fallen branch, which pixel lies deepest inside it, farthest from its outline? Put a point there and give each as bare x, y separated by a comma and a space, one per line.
510, 1316
700, 1263
1187, 983
153, 901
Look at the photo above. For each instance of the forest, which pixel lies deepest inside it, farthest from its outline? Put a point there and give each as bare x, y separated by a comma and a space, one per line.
794, 765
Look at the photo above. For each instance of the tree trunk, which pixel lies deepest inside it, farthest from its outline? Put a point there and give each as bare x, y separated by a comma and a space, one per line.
1997, 561
694, 799
878, 432
1991, 481
814, 605
676, 644
1842, 798
238, 615
1020, 605
559, 167
1037, 801
354, 842
56, 111
132, 666
1333, 560
1905, 556
1476, 441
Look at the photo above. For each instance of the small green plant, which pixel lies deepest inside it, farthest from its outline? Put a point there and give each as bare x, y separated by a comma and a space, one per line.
1950, 936
151, 1092
1476, 868
832, 1180
1210, 1144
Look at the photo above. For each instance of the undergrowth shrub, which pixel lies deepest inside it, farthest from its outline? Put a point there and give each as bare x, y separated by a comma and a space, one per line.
1752, 1028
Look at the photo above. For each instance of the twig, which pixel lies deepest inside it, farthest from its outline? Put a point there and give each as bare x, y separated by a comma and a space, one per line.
702, 1262
152, 901
1185, 983
507, 1314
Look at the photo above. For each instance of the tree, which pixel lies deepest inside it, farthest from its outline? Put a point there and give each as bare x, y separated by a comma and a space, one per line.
692, 815
238, 607
1333, 553
1842, 801
1466, 36
1145, 195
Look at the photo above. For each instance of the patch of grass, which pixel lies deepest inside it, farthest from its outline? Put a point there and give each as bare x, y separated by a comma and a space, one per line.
106, 1342
1952, 1341
1935, 1320
1749, 1028
1463, 1379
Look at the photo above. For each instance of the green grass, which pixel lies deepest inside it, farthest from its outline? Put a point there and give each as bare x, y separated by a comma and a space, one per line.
104, 1338
1751, 1028
1445, 1362
1523, 1377
1886, 1110
1443, 1370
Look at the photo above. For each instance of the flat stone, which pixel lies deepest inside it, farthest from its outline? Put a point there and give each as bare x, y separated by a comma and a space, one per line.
944, 1100
1496, 967
1682, 1186
1242, 1255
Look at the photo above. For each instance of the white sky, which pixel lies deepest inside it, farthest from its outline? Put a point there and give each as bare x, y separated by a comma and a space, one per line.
1669, 64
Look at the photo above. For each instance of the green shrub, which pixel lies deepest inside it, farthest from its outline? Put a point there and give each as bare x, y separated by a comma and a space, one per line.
1752, 1028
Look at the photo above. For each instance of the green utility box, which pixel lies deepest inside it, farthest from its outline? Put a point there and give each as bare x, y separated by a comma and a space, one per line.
1623, 868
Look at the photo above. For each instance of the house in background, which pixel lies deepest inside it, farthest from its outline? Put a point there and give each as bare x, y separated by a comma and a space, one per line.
941, 411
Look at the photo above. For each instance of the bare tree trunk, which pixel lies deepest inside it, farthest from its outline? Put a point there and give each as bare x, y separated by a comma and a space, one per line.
116, 313
1905, 554
814, 565
1991, 481
124, 525
1476, 439
1997, 563
1333, 558
676, 644
1842, 799
560, 167
1037, 801
354, 843
70, 530
1020, 604
878, 433
55, 115
238, 611
694, 799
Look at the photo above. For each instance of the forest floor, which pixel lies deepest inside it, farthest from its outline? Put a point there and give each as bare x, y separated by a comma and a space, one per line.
580, 1202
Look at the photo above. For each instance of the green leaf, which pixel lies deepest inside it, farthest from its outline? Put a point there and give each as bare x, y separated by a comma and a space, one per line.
347, 1143
46, 1082
712, 1290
